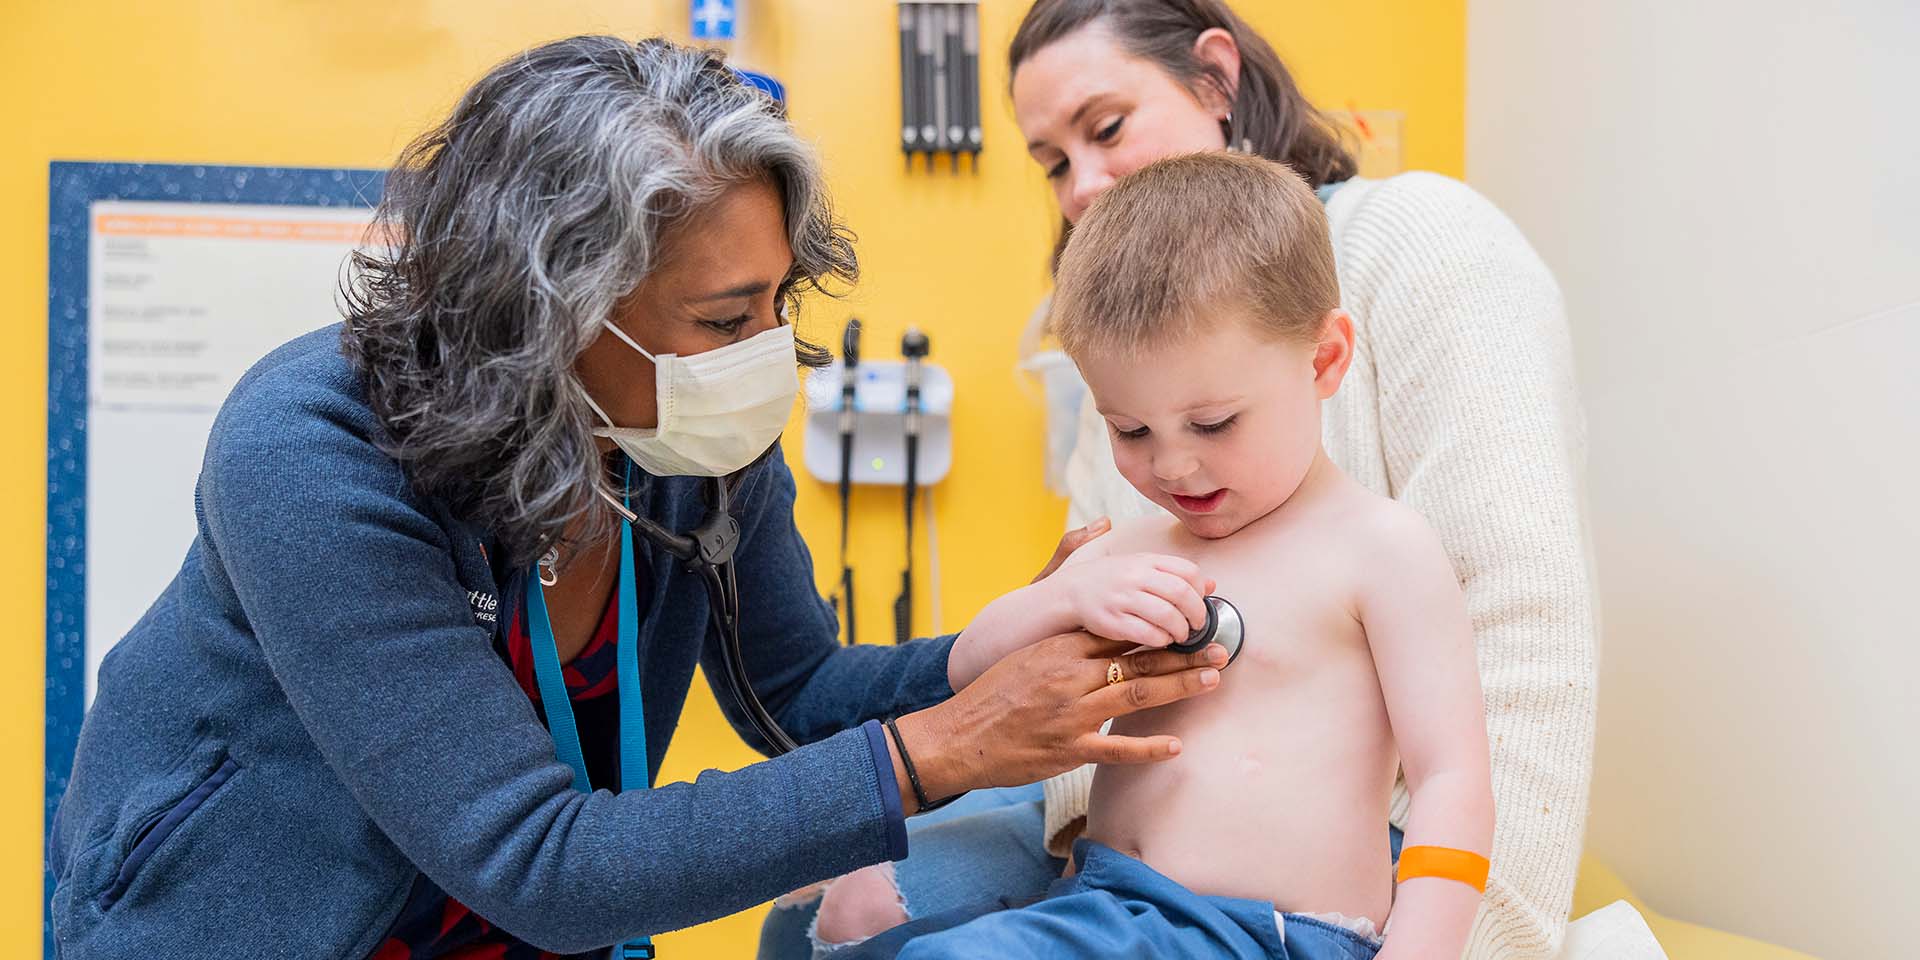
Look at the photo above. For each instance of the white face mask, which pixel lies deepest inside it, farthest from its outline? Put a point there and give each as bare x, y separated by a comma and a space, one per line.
718, 410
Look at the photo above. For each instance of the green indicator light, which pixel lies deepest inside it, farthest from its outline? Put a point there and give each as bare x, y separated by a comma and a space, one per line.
879, 463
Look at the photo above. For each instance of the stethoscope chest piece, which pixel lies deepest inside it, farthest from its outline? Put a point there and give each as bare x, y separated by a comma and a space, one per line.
1224, 627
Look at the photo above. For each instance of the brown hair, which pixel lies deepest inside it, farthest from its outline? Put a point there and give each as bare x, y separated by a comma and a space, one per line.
1269, 114
1187, 236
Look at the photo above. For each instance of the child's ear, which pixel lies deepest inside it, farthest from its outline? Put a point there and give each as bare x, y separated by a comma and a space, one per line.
1333, 353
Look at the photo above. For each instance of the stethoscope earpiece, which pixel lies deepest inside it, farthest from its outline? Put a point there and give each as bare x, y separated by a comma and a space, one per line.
1224, 627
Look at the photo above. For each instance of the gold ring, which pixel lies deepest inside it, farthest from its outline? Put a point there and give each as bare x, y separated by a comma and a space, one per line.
1113, 672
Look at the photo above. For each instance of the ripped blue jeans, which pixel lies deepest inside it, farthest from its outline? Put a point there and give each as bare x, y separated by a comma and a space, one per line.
1116, 906
984, 846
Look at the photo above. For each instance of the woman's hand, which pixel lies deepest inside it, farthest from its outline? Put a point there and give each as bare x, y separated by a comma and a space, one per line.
1069, 542
1146, 599
1038, 712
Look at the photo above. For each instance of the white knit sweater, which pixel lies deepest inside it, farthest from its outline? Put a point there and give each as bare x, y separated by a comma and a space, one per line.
1460, 402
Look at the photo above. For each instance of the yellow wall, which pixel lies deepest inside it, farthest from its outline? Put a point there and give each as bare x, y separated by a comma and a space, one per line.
347, 83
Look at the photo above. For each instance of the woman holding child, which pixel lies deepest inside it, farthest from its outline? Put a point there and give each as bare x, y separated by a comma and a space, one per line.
1458, 401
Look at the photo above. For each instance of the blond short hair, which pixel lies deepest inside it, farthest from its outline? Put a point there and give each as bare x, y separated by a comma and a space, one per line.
1188, 236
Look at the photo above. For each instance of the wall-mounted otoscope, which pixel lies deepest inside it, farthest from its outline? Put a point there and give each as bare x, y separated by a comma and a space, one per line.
879, 421
913, 348
849, 380
889, 422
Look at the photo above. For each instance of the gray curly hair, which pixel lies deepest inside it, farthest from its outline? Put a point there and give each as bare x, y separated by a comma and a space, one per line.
517, 224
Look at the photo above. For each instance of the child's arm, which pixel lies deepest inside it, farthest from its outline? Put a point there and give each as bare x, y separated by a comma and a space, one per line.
1422, 642
1140, 598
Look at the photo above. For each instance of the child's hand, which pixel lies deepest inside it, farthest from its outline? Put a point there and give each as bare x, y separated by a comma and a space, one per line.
1144, 598
1138, 598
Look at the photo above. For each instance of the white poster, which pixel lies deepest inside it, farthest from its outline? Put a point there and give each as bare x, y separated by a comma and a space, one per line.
182, 299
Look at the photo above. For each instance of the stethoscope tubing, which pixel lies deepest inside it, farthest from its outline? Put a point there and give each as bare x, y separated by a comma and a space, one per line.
723, 621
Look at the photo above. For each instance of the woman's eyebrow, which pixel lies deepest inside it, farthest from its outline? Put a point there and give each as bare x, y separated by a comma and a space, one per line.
752, 288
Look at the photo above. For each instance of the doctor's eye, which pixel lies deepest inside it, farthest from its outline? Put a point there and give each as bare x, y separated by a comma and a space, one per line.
1057, 171
1107, 133
727, 328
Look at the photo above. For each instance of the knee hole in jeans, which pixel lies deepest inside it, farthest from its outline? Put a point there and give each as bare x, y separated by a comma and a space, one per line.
858, 906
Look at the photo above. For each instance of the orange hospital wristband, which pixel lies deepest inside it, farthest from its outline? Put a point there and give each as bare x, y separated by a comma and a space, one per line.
1445, 863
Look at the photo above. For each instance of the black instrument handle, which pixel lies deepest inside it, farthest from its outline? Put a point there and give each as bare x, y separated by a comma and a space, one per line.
909, 85
903, 609
846, 600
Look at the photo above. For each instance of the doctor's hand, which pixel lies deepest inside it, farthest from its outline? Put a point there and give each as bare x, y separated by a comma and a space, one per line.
1038, 712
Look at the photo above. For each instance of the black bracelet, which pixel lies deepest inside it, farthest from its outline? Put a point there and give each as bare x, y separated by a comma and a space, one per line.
913, 776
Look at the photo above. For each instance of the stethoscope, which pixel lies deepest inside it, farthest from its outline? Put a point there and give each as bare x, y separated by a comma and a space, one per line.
1223, 627
707, 551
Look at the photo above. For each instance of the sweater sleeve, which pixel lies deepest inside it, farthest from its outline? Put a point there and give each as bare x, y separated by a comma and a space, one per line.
1481, 432
346, 581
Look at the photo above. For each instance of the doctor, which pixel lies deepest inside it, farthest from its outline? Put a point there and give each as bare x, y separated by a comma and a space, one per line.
408, 692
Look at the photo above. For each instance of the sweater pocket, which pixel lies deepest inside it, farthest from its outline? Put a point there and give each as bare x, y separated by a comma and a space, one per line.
161, 825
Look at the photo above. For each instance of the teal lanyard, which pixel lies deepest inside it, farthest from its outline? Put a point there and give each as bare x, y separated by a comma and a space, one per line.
559, 707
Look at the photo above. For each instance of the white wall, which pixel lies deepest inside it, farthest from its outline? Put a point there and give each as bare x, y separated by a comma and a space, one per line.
1729, 192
